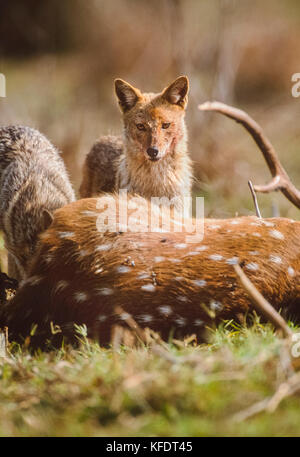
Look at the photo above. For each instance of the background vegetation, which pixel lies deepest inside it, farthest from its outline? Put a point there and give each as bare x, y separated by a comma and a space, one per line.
60, 60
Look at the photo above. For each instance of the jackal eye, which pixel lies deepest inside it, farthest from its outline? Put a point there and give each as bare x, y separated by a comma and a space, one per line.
165, 125
140, 126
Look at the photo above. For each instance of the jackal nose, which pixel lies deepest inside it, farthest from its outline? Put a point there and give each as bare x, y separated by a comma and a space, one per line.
152, 152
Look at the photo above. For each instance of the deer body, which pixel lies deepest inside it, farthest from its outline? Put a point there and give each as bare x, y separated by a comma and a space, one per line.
82, 275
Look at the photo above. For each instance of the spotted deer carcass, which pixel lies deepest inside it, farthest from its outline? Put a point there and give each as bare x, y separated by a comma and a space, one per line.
82, 275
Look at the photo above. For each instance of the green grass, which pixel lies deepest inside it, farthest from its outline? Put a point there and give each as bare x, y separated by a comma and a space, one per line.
193, 391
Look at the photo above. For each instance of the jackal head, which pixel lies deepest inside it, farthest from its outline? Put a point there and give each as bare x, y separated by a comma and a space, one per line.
154, 123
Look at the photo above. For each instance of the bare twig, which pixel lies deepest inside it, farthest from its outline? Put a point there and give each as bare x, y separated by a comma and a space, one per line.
261, 304
131, 324
281, 180
258, 213
254, 409
270, 404
286, 389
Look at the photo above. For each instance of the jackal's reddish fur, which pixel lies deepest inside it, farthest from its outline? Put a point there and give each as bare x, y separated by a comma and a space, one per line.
80, 274
150, 121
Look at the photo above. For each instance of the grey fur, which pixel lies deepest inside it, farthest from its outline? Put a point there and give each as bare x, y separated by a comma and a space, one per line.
33, 178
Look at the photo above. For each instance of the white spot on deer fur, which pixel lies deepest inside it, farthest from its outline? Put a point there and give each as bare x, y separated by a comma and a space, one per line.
82, 253
275, 259
66, 234
178, 278
48, 258
215, 257
199, 282
232, 261
145, 318
253, 252
276, 234
198, 322
80, 296
148, 288
123, 269
175, 260
235, 222
99, 270
124, 316
252, 266
291, 271
165, 310
143, 276
191, 253
268, 223
61, 285
181, 321
105, 291
159, 259
180, 245
201, 248
103, 247
182, 298
215, 305
258, 235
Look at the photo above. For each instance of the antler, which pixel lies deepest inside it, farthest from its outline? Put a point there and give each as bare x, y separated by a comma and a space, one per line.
281, 180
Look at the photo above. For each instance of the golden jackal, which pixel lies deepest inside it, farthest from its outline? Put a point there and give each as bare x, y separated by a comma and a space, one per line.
152, 159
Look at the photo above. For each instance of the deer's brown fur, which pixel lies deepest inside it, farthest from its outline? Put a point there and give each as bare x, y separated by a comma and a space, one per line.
81, 275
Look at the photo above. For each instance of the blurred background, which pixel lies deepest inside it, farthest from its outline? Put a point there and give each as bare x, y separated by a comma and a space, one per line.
60, 59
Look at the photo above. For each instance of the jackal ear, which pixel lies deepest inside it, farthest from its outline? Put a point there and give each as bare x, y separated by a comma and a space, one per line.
176, 93
47, 219
127, 94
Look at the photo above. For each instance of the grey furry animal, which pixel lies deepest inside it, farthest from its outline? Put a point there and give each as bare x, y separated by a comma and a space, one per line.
100, 166
33, 183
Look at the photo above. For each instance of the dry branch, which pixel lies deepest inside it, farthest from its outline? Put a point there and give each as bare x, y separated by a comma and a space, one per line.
270, 404
281, 180
258, 213
132, 324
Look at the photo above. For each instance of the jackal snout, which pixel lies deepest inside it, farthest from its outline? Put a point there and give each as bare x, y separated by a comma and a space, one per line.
152, 153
